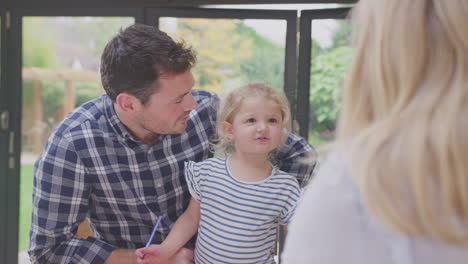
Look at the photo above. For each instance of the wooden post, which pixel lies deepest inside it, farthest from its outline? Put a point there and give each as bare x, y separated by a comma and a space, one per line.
38, 120
69, 103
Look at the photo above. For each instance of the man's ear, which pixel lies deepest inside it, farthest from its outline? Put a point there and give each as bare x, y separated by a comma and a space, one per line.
127, 102
227, 129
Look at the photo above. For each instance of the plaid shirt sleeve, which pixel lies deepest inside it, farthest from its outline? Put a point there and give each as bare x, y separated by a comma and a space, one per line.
298, 158
60, 204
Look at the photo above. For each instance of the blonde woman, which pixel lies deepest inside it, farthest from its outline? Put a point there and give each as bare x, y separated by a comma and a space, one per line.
394, 189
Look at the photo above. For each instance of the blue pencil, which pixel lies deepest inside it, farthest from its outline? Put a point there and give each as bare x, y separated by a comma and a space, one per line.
153, 232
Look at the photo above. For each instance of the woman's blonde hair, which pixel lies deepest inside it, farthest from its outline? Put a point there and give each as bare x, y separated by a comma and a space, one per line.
404, 109
232, 101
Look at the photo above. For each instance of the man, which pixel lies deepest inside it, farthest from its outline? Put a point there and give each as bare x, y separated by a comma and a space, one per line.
118, 160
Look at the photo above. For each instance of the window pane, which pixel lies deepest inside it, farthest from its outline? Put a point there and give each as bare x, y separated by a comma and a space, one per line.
232, 52
330, 57
61, 57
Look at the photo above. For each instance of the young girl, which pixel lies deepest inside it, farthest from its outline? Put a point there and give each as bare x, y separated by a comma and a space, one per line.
237, 201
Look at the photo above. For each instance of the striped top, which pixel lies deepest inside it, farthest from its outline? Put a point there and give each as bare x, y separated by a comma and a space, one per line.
238, 219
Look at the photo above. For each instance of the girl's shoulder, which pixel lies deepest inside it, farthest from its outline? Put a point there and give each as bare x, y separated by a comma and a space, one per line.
280, 175
212, 162
208, 164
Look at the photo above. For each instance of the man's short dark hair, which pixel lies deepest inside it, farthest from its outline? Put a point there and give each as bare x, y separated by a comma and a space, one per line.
136, 57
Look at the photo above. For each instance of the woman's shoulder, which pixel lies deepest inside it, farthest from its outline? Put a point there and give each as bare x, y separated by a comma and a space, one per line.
330, 217
345, 222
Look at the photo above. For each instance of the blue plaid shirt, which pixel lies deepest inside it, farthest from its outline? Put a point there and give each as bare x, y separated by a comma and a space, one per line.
93, 167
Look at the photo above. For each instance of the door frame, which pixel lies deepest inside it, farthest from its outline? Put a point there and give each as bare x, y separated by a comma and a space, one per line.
12, 88
4, 132
305, 44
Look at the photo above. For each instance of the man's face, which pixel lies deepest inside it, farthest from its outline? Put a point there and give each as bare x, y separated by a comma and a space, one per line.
167, 110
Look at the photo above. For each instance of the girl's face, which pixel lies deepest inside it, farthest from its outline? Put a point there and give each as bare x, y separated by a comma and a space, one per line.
256, 127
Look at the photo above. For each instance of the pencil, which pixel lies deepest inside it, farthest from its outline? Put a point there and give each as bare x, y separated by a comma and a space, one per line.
153, 232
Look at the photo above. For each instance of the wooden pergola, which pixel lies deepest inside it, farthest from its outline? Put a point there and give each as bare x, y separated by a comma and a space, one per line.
69, 77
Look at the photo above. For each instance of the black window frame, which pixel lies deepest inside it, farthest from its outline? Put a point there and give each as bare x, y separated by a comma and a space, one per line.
4, 108
305, 45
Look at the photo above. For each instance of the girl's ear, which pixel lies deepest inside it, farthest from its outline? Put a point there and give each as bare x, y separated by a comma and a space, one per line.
127, 102
227, 129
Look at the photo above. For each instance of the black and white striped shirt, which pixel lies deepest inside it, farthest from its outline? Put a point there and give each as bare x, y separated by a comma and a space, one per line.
239, 219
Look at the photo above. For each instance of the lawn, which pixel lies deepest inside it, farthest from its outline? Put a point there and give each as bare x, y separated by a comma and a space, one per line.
26, 183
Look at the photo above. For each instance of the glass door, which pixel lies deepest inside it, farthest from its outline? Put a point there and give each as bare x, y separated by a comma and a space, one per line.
58, 69
235, 46
324, 56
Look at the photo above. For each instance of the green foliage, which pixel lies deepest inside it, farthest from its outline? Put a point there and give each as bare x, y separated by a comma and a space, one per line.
259, 41
52, 97
342, 36
327, 74
266, 63
315, 139
38, 44
26, 185
86, 91
92, 33
219, 49
328, 70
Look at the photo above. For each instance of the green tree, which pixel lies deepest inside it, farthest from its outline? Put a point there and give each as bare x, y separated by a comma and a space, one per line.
92, 33
265, 64
342, 36
328, 70
39, 43
219, 49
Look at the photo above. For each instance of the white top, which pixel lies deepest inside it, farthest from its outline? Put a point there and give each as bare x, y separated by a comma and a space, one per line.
238, 219
331, 225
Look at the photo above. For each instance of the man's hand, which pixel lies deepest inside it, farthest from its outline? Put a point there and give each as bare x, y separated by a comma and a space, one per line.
156, 254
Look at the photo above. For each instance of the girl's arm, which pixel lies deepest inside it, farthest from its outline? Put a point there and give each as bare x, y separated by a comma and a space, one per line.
184, 228
182, 231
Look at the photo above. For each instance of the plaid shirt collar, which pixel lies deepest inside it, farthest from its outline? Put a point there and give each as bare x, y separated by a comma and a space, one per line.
119, 128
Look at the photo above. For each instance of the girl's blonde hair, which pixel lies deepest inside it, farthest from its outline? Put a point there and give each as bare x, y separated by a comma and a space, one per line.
232, 101
406, 110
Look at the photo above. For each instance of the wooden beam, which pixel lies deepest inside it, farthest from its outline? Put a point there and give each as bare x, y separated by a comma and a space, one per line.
33, 73
69, 100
